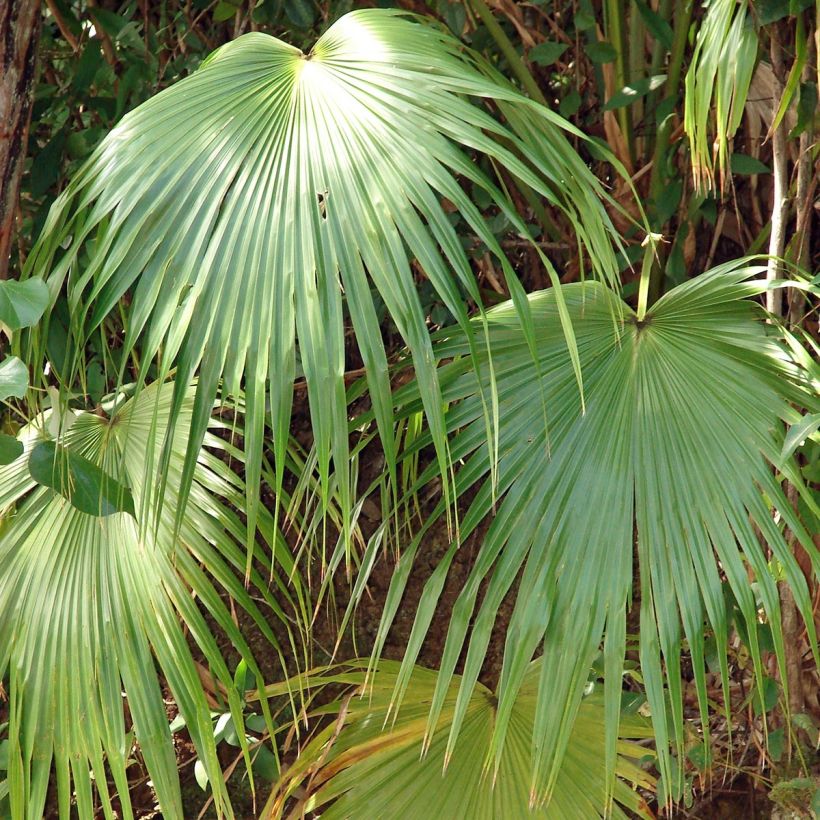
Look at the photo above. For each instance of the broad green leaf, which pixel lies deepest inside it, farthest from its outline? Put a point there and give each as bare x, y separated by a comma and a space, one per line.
809, 725
601, 52
46, 166
13, 378
806, 428
91, 59
806, 108
224, 11
744, 164
22, 303
659, 28
79, 480
770, 11
301, 13
668, 200
634, 91
583, 21
201, 775
700, 756
777, 742
10, 449
546, 53
570, 104
109, 21
265, 763
771, 692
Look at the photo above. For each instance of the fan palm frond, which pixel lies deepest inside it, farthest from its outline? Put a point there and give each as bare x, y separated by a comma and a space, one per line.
239, 206
671, 461
366, 765
88, 604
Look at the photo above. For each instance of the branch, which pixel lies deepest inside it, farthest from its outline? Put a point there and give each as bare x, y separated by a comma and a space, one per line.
780, 199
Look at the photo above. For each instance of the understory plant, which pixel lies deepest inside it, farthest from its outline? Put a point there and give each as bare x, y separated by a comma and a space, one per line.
252, 227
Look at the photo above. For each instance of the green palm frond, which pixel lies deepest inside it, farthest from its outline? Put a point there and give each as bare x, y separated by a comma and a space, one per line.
88, 604
368, 768
717, 84
672, 458
245, 208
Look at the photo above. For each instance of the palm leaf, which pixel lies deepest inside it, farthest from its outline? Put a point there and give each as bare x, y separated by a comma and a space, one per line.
87, 604
360, 767
238, 206
717, 84
673, 457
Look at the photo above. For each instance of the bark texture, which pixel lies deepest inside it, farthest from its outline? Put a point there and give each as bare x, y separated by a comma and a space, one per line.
19, 35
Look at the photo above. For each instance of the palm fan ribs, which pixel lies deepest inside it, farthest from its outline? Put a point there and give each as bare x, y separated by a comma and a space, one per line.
672, 458
240, 205
243, 221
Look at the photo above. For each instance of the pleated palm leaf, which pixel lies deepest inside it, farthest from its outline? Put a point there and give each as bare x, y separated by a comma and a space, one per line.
246, 207
672, 460
88, 604
360, 767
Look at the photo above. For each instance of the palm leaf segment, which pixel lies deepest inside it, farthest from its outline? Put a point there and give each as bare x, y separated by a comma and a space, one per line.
88, 603
240, 205
373, 770
717, 84
672, 457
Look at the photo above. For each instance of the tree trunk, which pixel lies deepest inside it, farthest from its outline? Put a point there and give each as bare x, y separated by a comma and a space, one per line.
19, 35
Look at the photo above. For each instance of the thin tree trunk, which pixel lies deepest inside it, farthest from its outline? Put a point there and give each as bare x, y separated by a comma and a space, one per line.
780, 160
792, 627
19, 35
789, 616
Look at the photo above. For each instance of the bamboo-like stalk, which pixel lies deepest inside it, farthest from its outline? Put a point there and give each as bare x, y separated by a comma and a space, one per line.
506, 47
658, 52
616, 22
780, 200
637, 35
789, 617
683, 19
806, 181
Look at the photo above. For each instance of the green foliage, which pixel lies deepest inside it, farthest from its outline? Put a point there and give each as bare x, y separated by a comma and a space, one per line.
78, 479
13, 378
369, 765
575, 487
353, 147
90, 602
256, 216
720, 73
22, 303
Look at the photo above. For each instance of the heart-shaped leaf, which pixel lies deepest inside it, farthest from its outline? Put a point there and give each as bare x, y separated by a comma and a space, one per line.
13, 378
83, 483
10, 449
547, 53
22, 303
